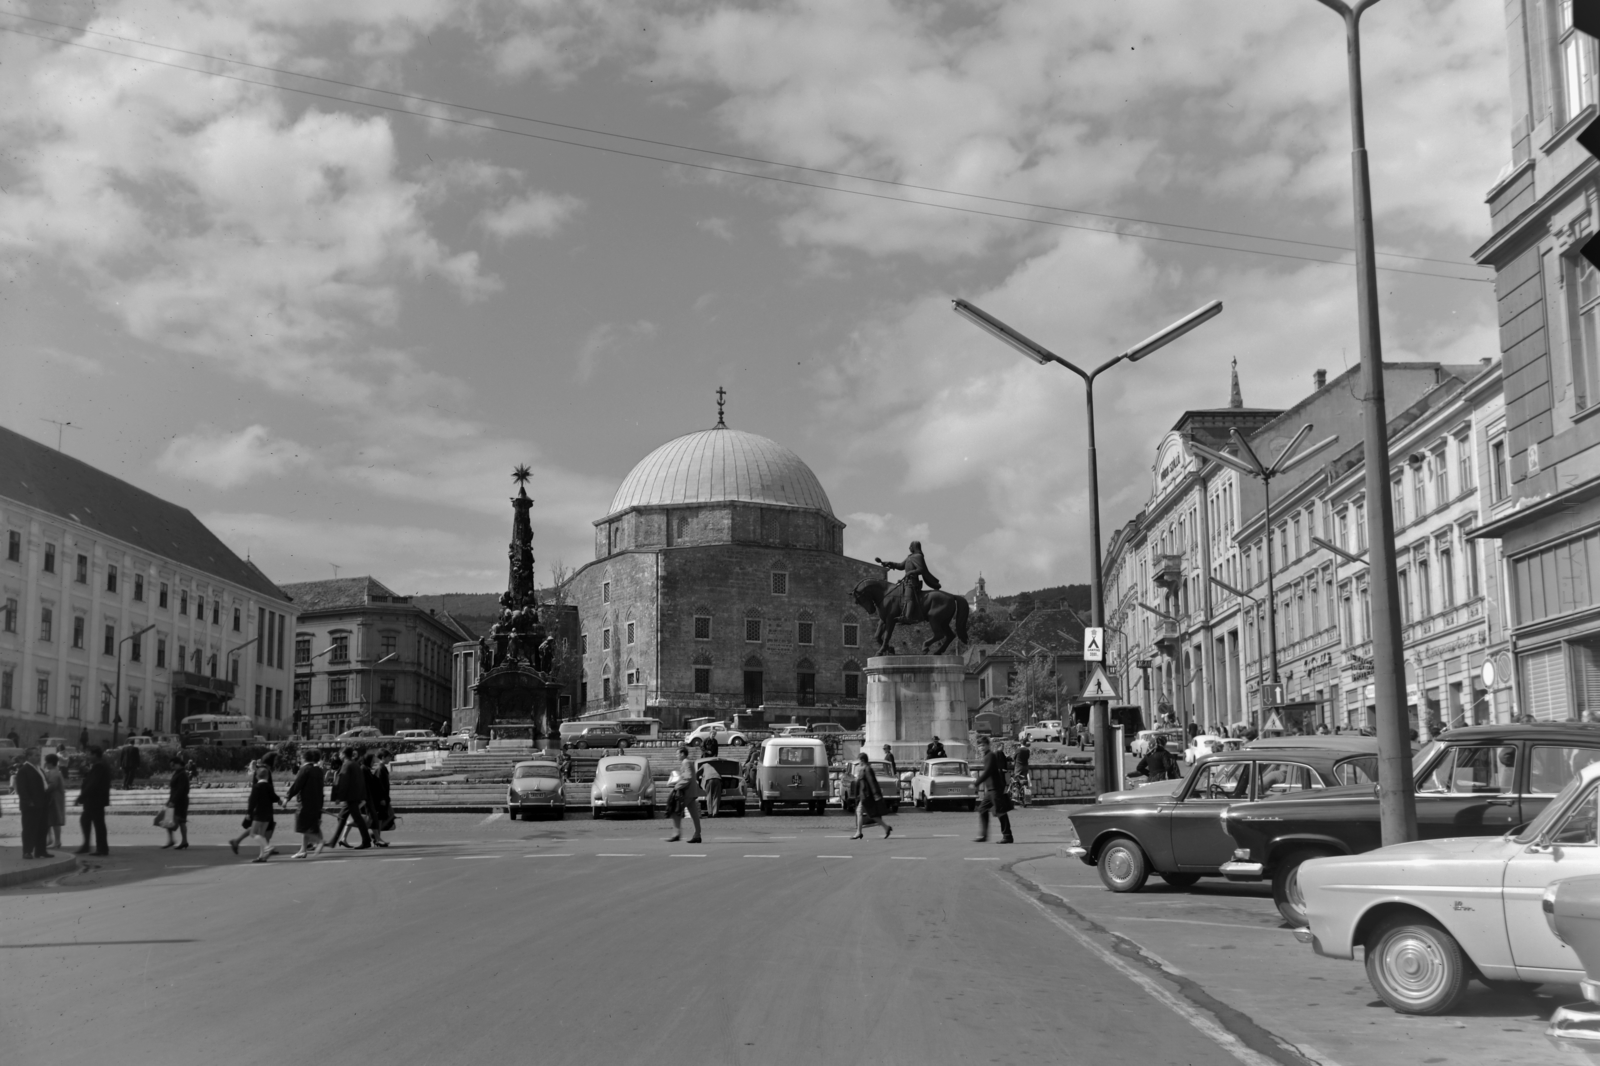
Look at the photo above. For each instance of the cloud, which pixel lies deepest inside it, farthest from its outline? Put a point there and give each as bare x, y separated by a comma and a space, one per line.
537, 213
608, 339
224, 460
720, 228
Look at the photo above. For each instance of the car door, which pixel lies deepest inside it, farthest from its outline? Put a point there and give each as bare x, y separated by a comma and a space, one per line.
1570, 847
1199, 840
1469, 790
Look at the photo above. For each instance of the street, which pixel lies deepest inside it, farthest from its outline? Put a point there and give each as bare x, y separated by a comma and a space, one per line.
777, 940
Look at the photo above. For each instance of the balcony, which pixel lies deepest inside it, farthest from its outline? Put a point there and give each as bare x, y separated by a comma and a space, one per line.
1167, 635
1168, 570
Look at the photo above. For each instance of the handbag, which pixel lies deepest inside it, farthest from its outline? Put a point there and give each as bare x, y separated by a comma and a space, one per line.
167, 819
1003, 803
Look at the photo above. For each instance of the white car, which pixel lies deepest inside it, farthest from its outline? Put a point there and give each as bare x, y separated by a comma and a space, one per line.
725, 735
1433, 914
944, 782
1045, 731
1146, 740
1210, 744
623, 783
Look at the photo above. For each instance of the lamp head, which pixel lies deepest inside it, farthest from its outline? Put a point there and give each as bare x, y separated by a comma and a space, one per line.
1033, 350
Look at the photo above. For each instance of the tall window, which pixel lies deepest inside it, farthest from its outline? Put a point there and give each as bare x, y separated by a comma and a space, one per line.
138, 591
341, 648
1347, 610
1296, 542
805, 686
1500, 482
630, 632
702, 627
183, 601
7, 679
82, 576
13, 546
387, 643
302, 650
77, 631
1441, 476
111, 578
161, 651
1464, 462
338, 691
1361, 525
605, 639
805, 630
1344, 529
161, 596
1424, 589
41, 703
1419, 490
1402, 580
1469, 552
1447, 574
605, 592
110, 646
752, 630
49, 558
75, 701
1397, 493
237, 620
780, 583
702, 680
1577, 65
1364, 596
136, 649
45, 623
852, 634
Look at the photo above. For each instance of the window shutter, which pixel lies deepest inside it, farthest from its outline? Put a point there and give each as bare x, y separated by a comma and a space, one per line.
1544, 689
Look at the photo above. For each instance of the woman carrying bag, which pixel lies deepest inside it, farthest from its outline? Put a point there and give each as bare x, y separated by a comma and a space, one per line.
685, 793
869, 798
176, 817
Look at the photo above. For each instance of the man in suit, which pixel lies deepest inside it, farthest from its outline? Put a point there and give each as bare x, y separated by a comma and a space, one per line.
130, 763
353, 792
94, 797
992, 793
33, 801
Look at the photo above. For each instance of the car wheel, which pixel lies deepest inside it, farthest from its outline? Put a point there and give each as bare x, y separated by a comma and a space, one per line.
623, 745
738, 812
582, 745
737, 742
1286, 891
1180, 880
766, 806
1122, 865
1416, 967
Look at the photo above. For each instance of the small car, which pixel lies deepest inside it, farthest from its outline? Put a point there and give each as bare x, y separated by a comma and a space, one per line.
819, 729
603, 736
463, 740
1051, 731
536, 789
623, 783
1179, 835
1571, 907
888, 784
1434, 914
732, 800
944, 783
417, 738
1476, 781
1146, 740
1210, 744
722, 731
793, 773
361, 732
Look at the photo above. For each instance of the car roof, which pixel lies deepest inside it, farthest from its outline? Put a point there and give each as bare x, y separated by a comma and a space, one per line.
1322, 758
1348, 742
535, 762
620, 758
947, 758
1521, 730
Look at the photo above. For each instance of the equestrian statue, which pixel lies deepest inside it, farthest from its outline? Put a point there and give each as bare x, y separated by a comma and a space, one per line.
906, 602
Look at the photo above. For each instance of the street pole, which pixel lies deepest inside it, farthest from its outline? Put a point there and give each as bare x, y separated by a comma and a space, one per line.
116, 709
1396, 802
1099, 727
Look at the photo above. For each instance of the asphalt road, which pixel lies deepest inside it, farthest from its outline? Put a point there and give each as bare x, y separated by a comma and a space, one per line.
484, 940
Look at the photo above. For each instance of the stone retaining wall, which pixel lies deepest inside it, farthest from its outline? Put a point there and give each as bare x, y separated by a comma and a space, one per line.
1063, 782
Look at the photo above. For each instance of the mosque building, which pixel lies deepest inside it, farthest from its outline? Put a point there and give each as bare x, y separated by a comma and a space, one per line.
720, 586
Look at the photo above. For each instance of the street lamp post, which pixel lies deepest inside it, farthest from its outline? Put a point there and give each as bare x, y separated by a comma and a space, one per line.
304, 721
1104, 764
1250, 464
116, 709
236, 651
1396, 803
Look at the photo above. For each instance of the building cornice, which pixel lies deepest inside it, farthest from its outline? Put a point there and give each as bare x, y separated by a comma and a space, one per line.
1516, 232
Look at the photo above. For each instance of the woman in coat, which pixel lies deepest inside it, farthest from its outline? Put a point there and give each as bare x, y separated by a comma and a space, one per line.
178, 800
869, 798
376, 775
263, 801
56, 794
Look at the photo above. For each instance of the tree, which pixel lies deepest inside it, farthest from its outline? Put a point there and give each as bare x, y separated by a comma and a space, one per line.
1035, 691
985, 628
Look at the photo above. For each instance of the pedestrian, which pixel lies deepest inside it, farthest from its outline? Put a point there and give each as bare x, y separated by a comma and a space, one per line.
992, 796
377, 795
130, 763
888, 757
263, 801
564, 763
16, 741
711, 785
307, 787
33, 803
94, 797
1020, 777
869, 798
936, 749
1158, 763
685, 793
709, 746
178, 804
57, 793
352, 792
83, 739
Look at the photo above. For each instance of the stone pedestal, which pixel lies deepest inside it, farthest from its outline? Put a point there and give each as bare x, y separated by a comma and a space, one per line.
913, 698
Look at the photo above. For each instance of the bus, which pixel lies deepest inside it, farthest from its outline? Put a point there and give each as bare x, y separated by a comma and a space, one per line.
216, 730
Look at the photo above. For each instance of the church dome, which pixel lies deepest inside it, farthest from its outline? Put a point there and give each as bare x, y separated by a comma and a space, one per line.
721, 464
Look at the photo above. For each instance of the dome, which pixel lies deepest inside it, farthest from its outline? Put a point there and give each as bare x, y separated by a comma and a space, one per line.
721, 464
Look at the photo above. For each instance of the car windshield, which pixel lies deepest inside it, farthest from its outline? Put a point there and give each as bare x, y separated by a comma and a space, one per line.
621, 768
881, 769
537, 771
1550, 813
948, 769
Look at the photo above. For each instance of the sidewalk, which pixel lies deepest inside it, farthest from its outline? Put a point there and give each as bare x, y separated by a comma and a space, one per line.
1225, 949
15, 870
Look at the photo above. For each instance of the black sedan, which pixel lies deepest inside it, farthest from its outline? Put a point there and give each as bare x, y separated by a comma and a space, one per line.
1179, 836
1478, 781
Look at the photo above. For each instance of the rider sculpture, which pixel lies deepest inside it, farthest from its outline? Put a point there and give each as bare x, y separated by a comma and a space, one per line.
906, 603
917, 573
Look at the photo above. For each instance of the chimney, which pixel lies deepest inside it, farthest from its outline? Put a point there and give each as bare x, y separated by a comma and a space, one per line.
1319, 378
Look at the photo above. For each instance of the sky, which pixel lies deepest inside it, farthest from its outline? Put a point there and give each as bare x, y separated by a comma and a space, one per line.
325, 273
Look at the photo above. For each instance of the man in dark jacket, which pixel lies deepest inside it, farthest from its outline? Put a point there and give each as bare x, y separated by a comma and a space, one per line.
992, 796
33, 802
307, 787
935, 749
352, 793
709, 746
1158, 763
94, 797
130, 763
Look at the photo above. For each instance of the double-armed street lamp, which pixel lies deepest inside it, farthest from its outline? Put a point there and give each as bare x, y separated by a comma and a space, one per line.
1104, 763
116, 710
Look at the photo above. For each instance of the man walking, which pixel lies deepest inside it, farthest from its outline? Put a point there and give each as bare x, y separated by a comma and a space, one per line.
130, 763
94, 797
353, 793
1020, 760
992, 793
33, 801
307, 786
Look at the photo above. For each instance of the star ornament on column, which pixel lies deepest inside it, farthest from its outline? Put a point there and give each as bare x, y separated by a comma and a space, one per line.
521, 474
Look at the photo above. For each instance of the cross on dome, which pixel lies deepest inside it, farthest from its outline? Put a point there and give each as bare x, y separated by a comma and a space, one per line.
722, 397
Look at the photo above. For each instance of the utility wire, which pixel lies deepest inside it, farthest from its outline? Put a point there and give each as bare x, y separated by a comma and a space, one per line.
716, 169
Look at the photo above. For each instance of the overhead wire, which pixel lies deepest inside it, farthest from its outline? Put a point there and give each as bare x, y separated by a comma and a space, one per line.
706, 151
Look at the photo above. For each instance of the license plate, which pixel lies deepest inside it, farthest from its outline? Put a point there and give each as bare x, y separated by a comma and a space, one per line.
622, 788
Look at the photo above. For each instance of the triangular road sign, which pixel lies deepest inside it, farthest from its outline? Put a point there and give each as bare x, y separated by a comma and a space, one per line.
1274, 724
1099, 687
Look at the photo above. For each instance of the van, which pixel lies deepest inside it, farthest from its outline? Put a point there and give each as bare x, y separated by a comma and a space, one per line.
793, 773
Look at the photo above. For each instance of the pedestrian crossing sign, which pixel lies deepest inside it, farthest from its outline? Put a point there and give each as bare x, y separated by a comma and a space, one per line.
1274, 724
1099, 686
1094, 644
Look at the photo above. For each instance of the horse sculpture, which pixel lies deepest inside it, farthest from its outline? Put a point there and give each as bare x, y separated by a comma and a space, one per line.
878, 596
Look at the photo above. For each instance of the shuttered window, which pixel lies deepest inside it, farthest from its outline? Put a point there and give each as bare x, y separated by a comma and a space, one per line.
1544, 687
1585, 656
1558, 580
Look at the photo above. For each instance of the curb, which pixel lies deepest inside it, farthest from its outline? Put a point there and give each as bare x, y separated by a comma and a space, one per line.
38, 873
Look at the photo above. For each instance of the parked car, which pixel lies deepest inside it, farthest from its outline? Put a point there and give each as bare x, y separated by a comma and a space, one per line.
793, 773
142, 743
1146, 740
535, 789
1178, 835
463, 740
622, 783
610, 735
1052, 731
724, 734
421, 739
1434, 914
1210, 744
790, 729
944, 783
1572, 910
822, 729
733, 798
888, 784
361, 732
1477, 781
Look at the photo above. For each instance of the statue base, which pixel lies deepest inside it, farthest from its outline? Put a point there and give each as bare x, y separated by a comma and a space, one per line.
910, 700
